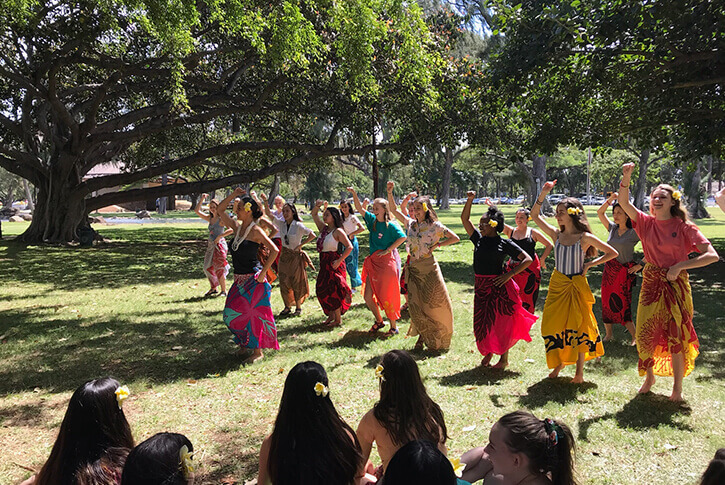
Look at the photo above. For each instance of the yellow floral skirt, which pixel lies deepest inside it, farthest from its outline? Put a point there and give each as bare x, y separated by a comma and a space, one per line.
568, 324
664, 322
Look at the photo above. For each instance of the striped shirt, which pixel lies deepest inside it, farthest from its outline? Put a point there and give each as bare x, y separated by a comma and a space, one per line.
569, 259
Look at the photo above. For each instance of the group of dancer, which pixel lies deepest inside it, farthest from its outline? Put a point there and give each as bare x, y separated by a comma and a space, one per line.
507, 275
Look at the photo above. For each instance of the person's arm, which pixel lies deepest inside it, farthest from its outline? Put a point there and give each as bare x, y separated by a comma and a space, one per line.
466, 214
356, 200
589, 239
502, 279
602, 211
221, 236
540, 238
393, 206
394, 246
265, 207
404, 203
623, 198
316, 216
365, 204
307, 239
222, 209
720, 199
477, 466
550, 230
261, 237
360, 228
707, 255
198, 211
341, 237
263, 475
450, 238
366, 435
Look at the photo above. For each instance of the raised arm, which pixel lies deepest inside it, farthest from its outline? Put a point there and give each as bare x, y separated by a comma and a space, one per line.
198, 211
466, 214
315, 213
265, 206
393, 206
623, 198
602, 211
550, 230
404, 203
356, 200
222, 209
720, 199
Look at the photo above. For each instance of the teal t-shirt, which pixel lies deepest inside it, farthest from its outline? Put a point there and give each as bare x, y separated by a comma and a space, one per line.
382, 234
461, 482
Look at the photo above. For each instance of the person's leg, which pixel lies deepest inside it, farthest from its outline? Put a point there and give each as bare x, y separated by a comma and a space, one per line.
477, 465
555, 372
370, 301
630, 328
222, 281
649, 381
608, 335
579, 374
503, 361
678, 371
256, 355
486, 361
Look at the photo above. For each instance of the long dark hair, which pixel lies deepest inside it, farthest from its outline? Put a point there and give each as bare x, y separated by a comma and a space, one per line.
547, 452
254, 207
715, 472
348, 204
157, 461
311, 443
629, 221
293, 209
405, 410
419, 462
580, 221
336, 216
94, 438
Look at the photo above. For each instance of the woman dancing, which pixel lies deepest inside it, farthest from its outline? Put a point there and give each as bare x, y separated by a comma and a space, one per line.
293, 261
216, 266
332, 290
526, 238
666, 340
499, 319
247, 312
352, 227
618, 277
380, 273
568, 325
431, 313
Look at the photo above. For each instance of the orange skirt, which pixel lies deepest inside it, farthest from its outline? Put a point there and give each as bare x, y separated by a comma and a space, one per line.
381, 272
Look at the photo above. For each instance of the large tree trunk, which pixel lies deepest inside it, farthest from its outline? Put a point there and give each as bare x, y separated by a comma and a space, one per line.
59, 212
695, 206
274, 191
443, 202
29, 196
538, 180
641, 185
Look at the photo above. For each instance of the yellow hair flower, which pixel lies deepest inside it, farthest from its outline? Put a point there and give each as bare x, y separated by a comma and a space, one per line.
493, 223
248, 207
458, 466
187, 466
425, 207
676, 195
321, 389
574, 211
122, 394
379, 372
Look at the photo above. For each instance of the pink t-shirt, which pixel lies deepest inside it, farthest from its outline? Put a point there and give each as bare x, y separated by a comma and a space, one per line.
667, 242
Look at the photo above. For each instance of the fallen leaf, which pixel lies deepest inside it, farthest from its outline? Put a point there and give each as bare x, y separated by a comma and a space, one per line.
212, 375
670, 447
470, 388
191, 382
177, 347
469, 428
59, 340
281, 370
530, 361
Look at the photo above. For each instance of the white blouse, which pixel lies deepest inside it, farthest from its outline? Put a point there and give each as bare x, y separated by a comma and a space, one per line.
350, 224
291, 236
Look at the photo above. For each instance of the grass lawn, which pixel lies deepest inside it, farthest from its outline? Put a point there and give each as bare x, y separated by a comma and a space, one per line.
132, 309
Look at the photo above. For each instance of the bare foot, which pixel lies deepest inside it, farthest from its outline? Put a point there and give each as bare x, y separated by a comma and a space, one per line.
607, 338
633, 343
676, 397
555, 373
256, 355
578, 380
332, 324
501, 364
418, 344
647, 385
486, 361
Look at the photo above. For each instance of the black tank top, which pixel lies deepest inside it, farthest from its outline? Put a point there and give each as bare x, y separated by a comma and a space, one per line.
244, 258
527, 243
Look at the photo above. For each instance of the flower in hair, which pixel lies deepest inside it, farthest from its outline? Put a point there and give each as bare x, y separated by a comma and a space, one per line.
492, 223
425, 207
122, 394
574, 211
248, 207
321, 389
676, 195
379, 372
458, 466
185, 456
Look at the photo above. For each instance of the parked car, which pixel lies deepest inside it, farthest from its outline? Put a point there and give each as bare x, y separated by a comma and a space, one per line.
519, 200
555, 198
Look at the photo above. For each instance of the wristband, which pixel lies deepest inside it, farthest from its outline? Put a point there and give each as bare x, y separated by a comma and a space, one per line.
624, 186
538, 202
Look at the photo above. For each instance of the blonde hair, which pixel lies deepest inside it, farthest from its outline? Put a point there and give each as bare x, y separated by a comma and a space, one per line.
678, 209
386, 216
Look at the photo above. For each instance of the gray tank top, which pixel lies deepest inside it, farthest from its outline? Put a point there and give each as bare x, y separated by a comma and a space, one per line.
624, 244
215, 229
569, 259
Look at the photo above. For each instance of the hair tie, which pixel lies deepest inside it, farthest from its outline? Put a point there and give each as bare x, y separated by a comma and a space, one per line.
379, 372
122, 394
321, 389
552, 430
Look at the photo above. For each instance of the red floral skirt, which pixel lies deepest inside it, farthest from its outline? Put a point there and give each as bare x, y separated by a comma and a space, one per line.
617, 286
528, 282
333, 291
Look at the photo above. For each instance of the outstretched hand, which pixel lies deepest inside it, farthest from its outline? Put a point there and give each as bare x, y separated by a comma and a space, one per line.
471, 194
627, 169
351, 190
390, 185
548, 186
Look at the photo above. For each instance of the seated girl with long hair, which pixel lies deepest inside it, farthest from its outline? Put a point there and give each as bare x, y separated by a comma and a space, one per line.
93, 441
404, 412
311, 444
163, 459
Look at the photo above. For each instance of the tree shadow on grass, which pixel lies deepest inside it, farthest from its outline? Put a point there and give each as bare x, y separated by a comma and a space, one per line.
28, 414
357, 339
643, 412
478, 376
559, 390
457, 271
236, 462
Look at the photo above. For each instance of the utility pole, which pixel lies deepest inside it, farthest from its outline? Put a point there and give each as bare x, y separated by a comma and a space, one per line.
589, 177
